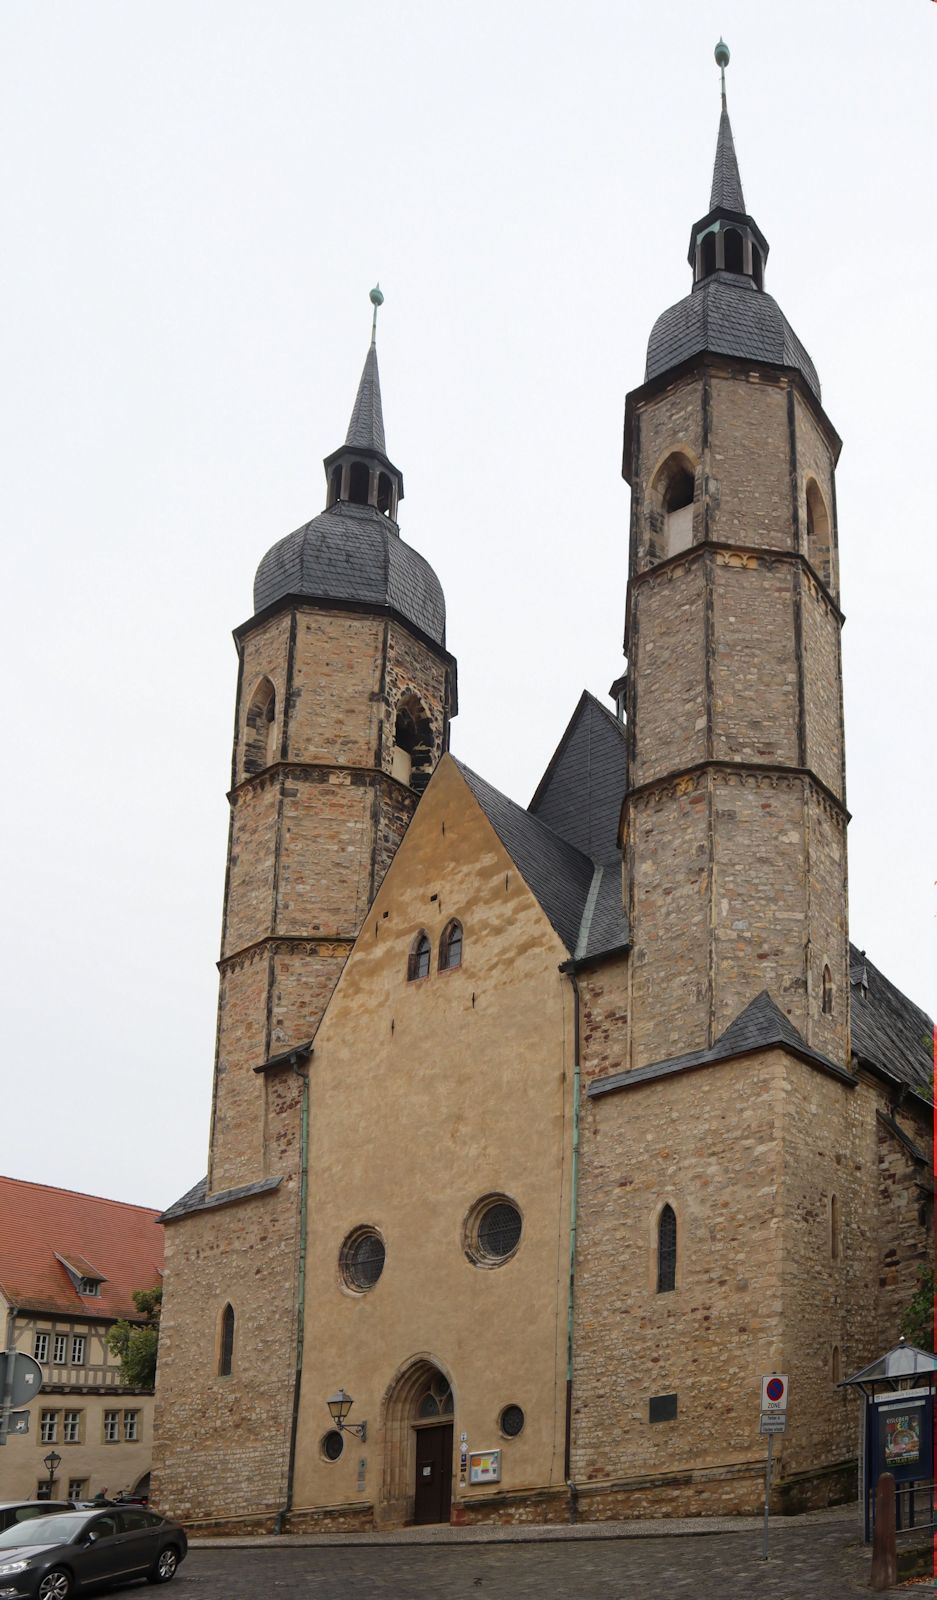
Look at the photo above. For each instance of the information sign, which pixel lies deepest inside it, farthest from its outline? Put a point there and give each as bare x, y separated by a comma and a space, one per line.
773, 1422
485, 1466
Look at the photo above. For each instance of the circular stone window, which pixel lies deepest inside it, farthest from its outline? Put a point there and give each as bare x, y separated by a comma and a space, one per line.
493, 1231
361, 1260
332, 1445
511, 1421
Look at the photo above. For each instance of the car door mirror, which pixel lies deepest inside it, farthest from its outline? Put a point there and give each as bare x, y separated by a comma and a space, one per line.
90, 1536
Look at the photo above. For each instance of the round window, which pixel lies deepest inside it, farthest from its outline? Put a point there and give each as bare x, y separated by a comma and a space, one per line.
493, 1231
332, 1445
361, 1261
511, 1421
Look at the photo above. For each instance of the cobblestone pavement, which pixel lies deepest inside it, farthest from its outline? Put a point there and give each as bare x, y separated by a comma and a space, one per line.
822, 1560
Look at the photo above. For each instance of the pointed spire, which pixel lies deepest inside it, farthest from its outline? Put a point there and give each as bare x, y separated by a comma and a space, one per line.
727, 184
366, 428
359, 473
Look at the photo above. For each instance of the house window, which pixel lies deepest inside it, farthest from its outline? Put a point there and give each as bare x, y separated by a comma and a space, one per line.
89, 1286
59, 1349
111, 1427
130, 1426
418, 964
41, 1347
78, 1349
226, 1353
71, 1427
48, 1427
667, 1251
77, 1488
450, 947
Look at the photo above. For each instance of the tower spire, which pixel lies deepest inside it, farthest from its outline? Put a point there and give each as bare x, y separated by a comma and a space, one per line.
366, 428
360, 471
727, 184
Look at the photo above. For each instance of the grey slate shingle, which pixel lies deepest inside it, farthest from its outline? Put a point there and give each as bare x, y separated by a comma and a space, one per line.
366, 428
580, 794
352, 552
888, 1029
198, 1199
727, 184
727, 315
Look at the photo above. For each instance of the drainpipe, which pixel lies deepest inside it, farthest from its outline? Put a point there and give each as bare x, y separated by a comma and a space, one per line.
281, 1515
569, 969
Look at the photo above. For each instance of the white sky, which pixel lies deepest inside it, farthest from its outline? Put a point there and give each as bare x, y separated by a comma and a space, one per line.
197, 198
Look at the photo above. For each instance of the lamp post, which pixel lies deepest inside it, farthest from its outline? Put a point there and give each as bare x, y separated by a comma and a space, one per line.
339, 1406
51, 1462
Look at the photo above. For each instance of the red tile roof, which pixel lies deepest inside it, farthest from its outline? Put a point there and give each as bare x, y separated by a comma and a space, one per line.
39, 1225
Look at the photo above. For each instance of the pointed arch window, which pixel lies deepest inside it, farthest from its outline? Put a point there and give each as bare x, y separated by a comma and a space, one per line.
667, 1250
834, 1227
450, 946
260, 729
418, 964
827, 992
734, 254
819, 532
671, 505
226, 1348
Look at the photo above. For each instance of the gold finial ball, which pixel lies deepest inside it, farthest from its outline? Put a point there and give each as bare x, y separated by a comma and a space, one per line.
376, 298
721, 53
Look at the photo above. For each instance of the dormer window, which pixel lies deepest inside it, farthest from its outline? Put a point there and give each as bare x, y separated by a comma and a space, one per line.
89, 1286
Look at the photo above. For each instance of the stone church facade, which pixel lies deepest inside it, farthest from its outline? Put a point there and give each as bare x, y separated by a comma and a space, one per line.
545, 1132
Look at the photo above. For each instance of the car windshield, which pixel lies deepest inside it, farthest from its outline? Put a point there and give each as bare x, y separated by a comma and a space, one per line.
43, 1530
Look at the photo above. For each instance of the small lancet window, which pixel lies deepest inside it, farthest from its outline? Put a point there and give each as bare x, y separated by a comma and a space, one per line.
667, 1251
834, 1227
384, 494
827, 992
418, 964
836, 1369
260, 732
734, 254
359, 483
708, 255
226, 1350
335, 485
818, 532
450, 947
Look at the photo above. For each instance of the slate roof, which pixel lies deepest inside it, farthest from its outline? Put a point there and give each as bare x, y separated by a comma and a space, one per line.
727, 184
354, 553
41, 1228
888, 1030
759, 1026
198, 1199
580, 794
727, 315
366, 428
564, 844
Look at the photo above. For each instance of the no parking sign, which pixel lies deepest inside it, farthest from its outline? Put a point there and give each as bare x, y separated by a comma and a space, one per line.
774, 1392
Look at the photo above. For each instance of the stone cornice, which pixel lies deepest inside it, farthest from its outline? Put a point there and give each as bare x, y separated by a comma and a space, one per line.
320, 772
686, 780
303, 944
740, 556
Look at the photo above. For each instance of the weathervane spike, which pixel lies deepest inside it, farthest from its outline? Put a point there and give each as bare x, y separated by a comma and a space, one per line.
377, 299
722, 61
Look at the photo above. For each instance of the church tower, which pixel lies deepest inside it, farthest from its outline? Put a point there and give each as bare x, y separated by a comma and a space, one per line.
735, 819
344, 695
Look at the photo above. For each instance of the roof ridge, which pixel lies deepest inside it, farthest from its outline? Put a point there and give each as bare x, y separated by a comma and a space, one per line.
79, 1194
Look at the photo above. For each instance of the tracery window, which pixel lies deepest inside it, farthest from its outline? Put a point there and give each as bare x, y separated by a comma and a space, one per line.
666, 1251
418, 964
226, 1352
450, 946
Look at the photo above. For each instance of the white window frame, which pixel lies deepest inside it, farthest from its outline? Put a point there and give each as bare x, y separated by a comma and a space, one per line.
131, 1427
60, 1350
112, 1427
71, 1427
48, 1427
76, 1488
40, 1347
79, 1344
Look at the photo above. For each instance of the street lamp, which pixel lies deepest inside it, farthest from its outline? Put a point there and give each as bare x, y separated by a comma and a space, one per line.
339, 1406
51, 1462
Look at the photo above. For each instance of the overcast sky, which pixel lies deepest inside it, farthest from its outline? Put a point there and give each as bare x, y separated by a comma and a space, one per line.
197, 198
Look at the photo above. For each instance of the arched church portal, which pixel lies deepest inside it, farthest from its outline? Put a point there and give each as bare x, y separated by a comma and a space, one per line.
418, 1412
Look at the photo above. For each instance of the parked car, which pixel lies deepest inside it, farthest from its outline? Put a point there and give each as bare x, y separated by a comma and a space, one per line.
53, 1557
21, 1510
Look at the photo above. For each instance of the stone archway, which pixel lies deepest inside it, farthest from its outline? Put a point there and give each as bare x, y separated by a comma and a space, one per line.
405, 1413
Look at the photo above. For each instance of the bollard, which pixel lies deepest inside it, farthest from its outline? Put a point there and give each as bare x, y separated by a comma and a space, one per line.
884, 1549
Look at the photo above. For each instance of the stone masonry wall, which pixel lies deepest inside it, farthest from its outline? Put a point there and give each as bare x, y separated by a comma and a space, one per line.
823, 686
749, 460
754, 672
669, 671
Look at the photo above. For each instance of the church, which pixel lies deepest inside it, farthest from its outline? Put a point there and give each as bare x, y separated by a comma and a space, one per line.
540, 1133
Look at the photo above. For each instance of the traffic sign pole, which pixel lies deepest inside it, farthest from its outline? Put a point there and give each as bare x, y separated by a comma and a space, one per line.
773, 1420
764, 1544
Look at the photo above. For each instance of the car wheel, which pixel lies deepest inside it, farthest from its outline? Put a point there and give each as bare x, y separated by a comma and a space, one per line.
166, 1563
56, 1585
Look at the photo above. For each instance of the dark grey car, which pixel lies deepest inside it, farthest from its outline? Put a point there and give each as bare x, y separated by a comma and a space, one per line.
52, 1557
24, 1510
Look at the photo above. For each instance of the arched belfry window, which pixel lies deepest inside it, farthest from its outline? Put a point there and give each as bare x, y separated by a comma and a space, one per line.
827, 992
707, 255
418, 963
450, 946
666, 1250
385, 494
734, 253
335, 485
260, 728
359, 483
819, 541
413, 744
226, 1346
672, 506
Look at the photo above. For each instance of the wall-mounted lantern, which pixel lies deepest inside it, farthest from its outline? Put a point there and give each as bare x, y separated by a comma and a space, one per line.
339, 1406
